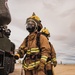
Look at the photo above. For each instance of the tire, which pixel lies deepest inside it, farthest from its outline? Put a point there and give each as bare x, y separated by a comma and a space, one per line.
12, 65
2, 71
7, 66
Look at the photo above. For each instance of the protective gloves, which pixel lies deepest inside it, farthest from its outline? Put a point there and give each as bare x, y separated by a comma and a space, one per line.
20, 53
54, 62
16, 56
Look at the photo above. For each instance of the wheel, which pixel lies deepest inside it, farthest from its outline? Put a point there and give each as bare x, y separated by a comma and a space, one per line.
12, 65
7, 65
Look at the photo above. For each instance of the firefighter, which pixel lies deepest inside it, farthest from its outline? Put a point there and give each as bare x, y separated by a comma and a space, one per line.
49, 65
35, 60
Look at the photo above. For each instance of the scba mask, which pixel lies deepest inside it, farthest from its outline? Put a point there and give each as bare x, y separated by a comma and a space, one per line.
31, 26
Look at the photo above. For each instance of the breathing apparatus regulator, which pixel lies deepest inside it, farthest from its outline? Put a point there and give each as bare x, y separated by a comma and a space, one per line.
33, 23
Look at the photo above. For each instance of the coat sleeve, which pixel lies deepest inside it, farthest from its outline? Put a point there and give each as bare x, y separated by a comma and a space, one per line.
21, 50
53, 53
45, 49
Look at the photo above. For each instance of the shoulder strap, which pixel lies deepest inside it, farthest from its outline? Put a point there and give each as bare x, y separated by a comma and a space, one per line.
38, 40
51, 49
50, 46
26, 42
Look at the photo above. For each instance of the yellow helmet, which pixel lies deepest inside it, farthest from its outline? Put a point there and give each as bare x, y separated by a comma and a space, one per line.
45, 32
35, 17
37, 20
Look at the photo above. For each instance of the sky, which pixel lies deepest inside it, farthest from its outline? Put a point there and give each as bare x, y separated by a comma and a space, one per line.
58, 16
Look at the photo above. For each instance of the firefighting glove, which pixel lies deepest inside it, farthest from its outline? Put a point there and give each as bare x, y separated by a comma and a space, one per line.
16, 56
41, 66
54, 62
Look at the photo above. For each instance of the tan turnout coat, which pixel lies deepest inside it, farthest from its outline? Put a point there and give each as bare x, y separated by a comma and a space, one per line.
31, 43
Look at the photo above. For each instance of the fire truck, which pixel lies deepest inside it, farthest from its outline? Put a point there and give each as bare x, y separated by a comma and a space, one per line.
7, 47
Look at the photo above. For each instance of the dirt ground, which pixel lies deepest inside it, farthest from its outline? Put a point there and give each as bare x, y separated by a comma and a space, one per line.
58, 70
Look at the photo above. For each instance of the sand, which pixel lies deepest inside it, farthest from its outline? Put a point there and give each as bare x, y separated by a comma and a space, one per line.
66, 69
63, 69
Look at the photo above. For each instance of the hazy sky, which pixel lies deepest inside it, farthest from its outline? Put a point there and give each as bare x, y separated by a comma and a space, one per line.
56, 15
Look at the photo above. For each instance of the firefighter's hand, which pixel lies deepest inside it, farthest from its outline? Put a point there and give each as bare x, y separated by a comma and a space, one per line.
23, 49
54, 62
16, 56
41, 67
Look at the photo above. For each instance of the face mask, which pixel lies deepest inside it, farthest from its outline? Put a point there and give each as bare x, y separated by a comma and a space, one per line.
30, 28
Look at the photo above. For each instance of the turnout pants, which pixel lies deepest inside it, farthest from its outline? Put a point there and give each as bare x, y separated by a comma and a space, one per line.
33, 72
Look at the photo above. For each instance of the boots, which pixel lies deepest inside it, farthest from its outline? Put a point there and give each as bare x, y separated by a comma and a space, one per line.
49, 72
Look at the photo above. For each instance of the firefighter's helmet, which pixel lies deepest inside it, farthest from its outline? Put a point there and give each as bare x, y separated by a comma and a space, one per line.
36, 19
45, 31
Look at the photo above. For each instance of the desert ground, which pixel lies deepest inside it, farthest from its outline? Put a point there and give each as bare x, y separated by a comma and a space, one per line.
61, 69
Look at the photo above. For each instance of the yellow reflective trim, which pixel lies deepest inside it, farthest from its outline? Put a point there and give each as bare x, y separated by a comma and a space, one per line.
30, 66
54, 59
48, 62
33, 50
44, 58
